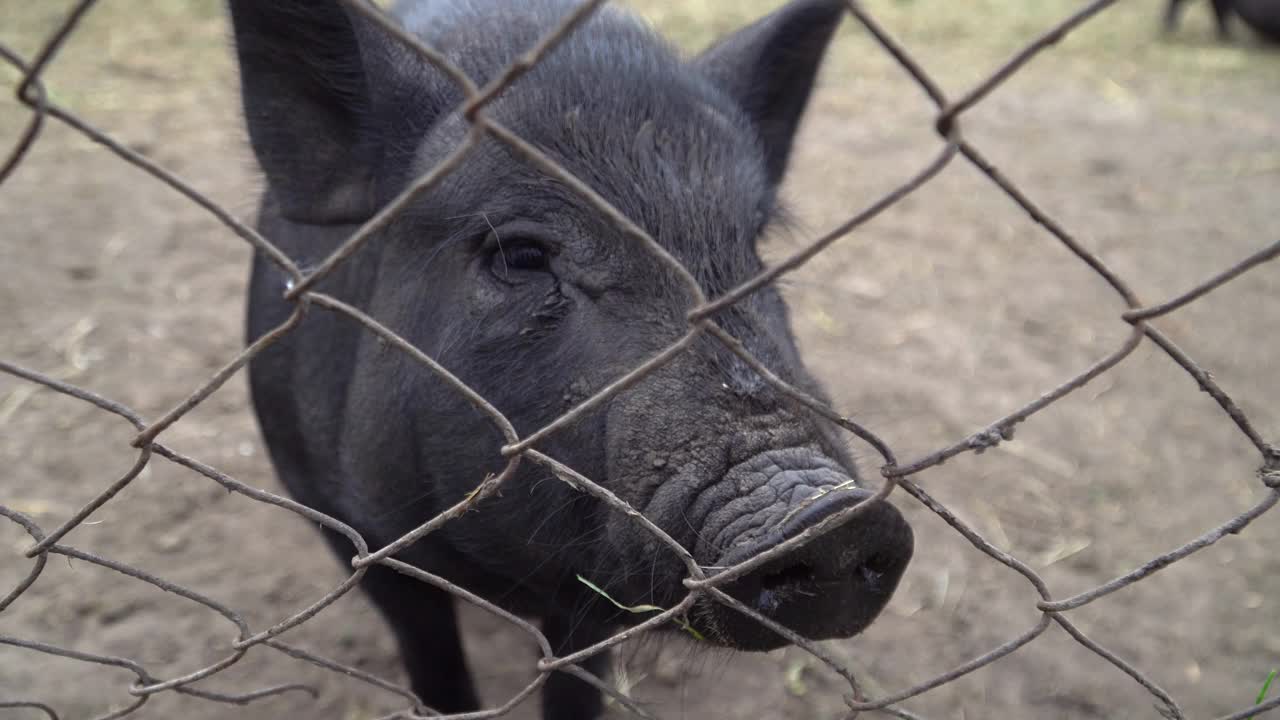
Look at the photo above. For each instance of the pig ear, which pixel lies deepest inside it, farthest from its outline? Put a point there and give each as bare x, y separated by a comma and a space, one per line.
769, 69
313, 77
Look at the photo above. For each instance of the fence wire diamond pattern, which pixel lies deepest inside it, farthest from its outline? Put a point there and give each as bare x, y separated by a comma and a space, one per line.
897, 474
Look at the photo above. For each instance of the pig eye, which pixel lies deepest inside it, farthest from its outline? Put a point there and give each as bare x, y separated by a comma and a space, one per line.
515, 255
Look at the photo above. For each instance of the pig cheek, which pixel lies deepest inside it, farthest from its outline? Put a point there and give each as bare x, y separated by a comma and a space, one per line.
484, 298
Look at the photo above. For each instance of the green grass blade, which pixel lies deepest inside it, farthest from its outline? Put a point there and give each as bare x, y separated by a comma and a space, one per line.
605, 595
681, 622
1262, 694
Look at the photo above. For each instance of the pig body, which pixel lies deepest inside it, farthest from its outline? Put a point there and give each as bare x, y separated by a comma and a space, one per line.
1263, 16
509, 279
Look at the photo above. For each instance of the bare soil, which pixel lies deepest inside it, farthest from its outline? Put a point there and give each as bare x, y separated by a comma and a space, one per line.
943, 314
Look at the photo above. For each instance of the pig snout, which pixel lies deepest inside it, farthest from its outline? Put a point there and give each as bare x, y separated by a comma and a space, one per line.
833, 586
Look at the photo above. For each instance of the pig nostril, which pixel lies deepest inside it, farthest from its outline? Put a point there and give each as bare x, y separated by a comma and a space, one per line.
884, 563
787, 576
871, 576
874, 568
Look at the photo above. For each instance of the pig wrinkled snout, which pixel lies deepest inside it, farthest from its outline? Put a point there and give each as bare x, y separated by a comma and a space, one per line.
832, 587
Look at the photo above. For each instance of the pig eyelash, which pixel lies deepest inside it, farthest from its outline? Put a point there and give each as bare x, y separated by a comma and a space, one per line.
512, 256
525, 256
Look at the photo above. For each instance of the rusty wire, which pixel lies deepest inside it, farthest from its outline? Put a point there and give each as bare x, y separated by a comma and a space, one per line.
700, 585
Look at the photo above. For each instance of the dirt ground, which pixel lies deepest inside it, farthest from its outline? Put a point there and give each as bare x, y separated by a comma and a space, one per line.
951, 309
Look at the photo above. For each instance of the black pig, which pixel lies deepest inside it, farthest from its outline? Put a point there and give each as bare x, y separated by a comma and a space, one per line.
512, 281
1261, 15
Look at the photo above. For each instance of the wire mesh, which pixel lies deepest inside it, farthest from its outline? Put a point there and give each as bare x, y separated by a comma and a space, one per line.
896, 473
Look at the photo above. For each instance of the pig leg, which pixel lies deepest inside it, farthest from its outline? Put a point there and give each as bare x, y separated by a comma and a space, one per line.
565, 697
426, 627
1171, 15
1221, 10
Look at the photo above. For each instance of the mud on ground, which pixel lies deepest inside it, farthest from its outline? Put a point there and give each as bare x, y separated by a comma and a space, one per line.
941, 315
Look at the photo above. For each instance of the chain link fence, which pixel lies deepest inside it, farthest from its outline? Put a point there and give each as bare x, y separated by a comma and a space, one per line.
897, 473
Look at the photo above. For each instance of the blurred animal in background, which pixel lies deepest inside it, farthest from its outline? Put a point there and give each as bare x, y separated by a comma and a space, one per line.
1263, 16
